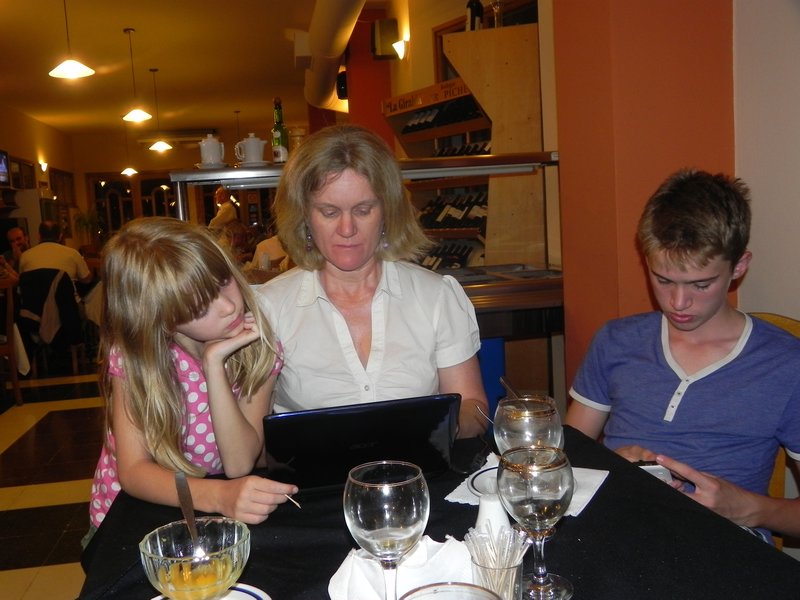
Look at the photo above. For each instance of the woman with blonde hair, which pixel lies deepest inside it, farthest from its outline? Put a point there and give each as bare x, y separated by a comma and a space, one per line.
359, 321
187, 374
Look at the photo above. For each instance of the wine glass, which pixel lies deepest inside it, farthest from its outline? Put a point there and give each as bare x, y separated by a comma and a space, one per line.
527, 420
386, 506
535, 484
497, 10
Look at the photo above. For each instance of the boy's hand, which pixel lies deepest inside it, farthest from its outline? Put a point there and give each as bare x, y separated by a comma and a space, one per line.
636, 453
719, 495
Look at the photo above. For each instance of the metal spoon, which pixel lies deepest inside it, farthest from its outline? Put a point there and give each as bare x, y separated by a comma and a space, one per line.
187, 507
511, 392
509, 388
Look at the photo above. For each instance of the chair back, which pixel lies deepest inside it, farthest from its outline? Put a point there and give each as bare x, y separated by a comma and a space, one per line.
7, 348
777, 485
48, 306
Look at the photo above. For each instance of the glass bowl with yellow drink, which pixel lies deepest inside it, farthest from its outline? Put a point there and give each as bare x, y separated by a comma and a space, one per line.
182, 571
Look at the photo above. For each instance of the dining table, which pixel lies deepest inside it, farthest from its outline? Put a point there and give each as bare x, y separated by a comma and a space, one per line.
637, 538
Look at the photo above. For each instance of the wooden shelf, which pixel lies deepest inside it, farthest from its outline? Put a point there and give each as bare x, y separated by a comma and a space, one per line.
449, 130
454, 233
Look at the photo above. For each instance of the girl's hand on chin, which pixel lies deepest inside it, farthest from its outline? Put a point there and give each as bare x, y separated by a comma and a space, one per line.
224, 347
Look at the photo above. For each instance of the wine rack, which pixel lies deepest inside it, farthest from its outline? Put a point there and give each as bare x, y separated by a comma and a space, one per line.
445, 120
493, 107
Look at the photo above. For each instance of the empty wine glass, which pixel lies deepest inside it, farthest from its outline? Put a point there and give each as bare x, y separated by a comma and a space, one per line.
527, 420
535, 484
386, 506
497, 10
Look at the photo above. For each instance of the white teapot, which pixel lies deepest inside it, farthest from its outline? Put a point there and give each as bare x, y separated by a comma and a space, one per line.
212, 150
250, 149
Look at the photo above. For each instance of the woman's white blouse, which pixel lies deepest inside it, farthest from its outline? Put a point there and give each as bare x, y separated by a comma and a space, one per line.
421, 322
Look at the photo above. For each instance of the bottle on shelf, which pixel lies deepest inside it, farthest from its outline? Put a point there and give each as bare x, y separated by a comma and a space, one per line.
474, 15
280, 135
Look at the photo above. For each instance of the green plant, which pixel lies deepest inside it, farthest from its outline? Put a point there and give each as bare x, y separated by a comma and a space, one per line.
87, 225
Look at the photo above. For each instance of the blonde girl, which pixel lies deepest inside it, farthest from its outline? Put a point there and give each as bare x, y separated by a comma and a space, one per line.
187, 374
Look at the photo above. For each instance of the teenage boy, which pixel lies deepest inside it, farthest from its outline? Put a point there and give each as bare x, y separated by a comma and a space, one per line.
703, 389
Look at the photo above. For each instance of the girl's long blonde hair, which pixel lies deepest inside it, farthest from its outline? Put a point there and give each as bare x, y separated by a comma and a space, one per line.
158, 273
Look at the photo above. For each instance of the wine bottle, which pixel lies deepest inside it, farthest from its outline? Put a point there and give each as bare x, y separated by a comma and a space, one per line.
474, 15
280, 136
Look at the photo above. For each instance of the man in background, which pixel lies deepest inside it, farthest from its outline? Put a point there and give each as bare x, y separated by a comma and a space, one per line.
51, 253
17, 244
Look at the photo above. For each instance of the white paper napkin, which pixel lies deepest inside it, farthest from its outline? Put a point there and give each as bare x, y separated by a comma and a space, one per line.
587, 482
360, 576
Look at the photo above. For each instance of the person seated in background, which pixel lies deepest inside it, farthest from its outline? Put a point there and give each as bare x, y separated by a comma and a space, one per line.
18, 242
226, 210
701, 388
51, 253
357, 320
7, 271
269, 254
234, 239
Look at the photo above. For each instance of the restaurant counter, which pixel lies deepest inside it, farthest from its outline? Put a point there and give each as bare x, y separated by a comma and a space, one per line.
637, 538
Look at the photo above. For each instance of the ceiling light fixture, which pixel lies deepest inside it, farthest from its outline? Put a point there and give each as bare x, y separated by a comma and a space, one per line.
70, 68
127, 170
137, 115
159, 145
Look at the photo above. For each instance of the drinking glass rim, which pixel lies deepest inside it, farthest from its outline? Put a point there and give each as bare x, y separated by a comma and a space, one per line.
519, 404
453, 584
559, 460
411, 478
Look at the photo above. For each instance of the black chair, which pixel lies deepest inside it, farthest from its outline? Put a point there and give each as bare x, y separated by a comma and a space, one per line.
7, 347
49, 317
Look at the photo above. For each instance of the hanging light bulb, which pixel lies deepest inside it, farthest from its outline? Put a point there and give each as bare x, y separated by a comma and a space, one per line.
127, 170
70, 68
159, 145
137, 115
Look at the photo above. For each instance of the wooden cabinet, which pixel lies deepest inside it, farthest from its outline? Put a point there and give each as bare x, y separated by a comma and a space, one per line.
493, 107
440, 120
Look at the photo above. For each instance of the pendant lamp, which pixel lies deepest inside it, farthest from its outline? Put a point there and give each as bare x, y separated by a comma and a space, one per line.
159, 145
136, 115
70, 68
127, 170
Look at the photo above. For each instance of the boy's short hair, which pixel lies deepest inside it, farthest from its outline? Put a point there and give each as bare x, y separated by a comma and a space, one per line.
695, 216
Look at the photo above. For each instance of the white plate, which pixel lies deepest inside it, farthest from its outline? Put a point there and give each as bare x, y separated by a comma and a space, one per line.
221, 165
240, 591
256, 163
483, 482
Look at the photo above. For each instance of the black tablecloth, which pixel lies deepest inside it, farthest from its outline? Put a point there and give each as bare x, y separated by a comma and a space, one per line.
637, 538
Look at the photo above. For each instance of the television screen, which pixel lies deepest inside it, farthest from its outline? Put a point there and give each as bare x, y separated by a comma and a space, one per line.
5, 174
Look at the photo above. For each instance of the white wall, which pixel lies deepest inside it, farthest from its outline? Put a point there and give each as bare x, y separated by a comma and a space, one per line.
766, 48
767, 117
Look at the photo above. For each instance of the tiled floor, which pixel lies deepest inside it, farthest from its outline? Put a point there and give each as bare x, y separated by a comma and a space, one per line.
48, 450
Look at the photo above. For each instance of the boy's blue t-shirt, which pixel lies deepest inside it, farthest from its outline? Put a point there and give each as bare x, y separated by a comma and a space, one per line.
728, 419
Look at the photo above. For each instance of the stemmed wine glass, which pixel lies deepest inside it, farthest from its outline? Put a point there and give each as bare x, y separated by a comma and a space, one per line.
535, 485
527, 420
497, 10
386, 506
